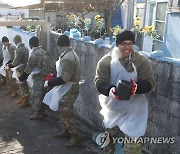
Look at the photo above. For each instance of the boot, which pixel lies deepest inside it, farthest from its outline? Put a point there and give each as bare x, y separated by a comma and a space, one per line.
135, 148
39, 114
19, 100
63, 133
14, 93
25, 102
3, 82
10, 90
36, 116
74, 141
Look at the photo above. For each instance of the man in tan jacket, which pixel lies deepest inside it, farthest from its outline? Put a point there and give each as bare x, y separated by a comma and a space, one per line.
124, 116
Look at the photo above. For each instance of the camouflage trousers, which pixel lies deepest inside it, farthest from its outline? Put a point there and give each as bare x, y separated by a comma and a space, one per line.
1, 77
36, 93
129, 148
23, 89
11, 82
66, 110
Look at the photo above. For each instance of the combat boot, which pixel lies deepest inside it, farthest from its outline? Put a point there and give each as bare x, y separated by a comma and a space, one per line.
36, 116
3, 82
19, 100
25, 102
14, 93
63, 133
74, 141
135, 148
10, 90
39, 114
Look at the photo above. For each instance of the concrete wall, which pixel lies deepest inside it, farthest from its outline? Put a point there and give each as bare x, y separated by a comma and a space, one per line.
164, 100
164, 107
172, 35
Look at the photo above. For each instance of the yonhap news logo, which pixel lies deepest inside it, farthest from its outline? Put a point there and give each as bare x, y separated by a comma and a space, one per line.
103, 139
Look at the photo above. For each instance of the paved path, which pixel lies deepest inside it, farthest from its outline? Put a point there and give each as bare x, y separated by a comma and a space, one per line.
20, 135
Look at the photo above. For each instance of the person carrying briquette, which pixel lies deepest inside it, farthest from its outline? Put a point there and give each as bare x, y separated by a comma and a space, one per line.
18, 65
35, 73
127, 116
8, 54
66, 89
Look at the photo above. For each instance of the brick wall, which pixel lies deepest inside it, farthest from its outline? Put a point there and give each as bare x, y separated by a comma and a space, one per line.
164, 100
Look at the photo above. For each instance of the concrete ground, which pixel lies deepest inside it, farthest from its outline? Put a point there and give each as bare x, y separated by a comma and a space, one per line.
20, 135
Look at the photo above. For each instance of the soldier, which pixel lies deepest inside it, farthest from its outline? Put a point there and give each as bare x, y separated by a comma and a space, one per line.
1, 54
128, 116
19, 64
1, 63
66, 89
10, 50
36, 69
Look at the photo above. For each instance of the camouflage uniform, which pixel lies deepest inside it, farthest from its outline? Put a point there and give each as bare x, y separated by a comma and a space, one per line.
37, 90
70, 73
11, 82
21, 57
1, 59
144, 72
1, 54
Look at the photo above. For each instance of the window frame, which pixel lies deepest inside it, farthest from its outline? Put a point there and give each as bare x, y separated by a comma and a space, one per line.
160, 21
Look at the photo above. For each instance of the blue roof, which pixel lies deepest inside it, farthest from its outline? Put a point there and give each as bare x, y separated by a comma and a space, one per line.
140, 1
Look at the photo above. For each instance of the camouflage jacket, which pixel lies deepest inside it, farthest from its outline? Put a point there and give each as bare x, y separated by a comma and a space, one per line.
36, 62
1, 55
142, 64
11, 48
70, 66
21, 56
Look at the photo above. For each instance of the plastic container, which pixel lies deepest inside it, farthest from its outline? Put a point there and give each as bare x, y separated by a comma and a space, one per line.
124, 89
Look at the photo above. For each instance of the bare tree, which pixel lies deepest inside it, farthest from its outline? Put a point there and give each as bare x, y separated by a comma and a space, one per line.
83, 7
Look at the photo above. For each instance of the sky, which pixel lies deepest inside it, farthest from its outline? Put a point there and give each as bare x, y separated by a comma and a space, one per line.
20, 2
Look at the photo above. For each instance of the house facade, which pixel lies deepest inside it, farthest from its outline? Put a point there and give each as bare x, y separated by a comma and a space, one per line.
164, 15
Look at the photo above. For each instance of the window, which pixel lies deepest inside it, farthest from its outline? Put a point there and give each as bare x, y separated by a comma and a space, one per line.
151, 14
178, 3
161, 10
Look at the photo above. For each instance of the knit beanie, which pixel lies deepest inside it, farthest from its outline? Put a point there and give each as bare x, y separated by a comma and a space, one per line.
63, 41
34, 41
124, 36
5, 39
17, 39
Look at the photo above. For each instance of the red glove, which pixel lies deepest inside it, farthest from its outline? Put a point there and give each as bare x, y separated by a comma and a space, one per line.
48, 77
134, 87
113, 94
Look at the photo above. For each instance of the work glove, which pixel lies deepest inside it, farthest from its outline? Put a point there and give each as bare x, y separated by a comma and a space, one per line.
48, 77
134, 87
23, 76
113, 94
10, 65
45, 84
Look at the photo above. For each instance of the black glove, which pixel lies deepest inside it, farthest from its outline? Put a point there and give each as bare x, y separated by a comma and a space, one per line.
10, 61
23, 76
143, 87
10, 65
56, 82
104, 88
